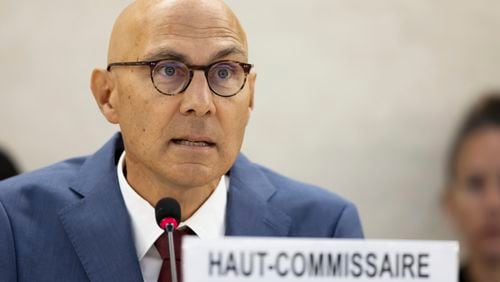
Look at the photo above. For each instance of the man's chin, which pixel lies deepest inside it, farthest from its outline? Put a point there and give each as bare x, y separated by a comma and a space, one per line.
193, 176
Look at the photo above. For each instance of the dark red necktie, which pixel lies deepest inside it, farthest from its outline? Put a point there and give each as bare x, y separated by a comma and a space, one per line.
162, 245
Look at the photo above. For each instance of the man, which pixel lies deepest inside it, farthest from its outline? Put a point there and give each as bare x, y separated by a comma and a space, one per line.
179, 86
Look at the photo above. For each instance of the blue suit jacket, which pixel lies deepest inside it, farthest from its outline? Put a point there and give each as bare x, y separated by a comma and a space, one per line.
68, 222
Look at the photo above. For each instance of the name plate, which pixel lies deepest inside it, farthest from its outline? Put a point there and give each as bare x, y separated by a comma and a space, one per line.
289, 259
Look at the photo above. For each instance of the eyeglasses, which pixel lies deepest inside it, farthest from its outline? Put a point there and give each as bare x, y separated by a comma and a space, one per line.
225, 78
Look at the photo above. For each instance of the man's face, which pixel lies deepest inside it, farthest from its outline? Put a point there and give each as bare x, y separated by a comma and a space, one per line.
192, 138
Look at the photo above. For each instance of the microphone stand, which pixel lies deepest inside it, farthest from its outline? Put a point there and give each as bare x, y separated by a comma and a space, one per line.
169, 228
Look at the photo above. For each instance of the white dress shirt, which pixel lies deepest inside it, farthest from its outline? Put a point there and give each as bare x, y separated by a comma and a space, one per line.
207, 222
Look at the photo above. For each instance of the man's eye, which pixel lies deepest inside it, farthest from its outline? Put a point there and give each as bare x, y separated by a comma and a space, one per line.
223, 73
169, 70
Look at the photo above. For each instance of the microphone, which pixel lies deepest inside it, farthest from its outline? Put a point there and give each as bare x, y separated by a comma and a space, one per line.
168, 217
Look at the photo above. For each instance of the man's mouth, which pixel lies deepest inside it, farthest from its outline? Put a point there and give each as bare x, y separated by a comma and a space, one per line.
193, 143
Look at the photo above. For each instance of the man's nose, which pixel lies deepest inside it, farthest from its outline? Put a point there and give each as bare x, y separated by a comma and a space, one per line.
198, 98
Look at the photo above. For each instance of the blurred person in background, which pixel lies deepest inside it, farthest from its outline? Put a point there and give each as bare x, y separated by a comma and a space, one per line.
472, 195
7, 166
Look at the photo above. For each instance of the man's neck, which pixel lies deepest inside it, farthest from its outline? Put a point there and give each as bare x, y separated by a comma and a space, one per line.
153, 189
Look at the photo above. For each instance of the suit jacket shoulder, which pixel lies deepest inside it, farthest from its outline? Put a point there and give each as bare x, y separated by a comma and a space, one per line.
50, 183
296, 208
73, 214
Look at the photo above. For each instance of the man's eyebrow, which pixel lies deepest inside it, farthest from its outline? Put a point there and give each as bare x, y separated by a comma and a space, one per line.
169, 54
233, 50
166, 54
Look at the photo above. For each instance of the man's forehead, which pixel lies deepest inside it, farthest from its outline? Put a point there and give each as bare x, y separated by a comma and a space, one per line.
205, 29
194, 42
168, 23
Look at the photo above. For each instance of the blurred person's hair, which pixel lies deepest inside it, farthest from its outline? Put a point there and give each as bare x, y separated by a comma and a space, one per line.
7, 166
485, 113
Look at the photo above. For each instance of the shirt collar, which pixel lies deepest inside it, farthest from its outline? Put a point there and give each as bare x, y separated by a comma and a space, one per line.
207, 222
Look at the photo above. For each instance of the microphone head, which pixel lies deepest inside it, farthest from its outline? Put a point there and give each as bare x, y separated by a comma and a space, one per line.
167, 209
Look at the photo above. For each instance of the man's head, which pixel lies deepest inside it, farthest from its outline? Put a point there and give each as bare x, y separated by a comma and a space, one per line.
192, 138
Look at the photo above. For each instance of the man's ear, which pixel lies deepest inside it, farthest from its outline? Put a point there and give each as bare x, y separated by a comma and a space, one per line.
252, 77
102, 87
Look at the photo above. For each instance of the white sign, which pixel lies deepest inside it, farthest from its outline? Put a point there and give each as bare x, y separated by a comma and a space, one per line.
289, 259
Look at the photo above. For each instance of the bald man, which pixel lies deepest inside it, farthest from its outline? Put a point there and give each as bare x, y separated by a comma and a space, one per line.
179, 86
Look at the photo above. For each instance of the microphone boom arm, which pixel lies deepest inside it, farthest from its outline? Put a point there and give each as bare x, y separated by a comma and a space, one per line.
169, 228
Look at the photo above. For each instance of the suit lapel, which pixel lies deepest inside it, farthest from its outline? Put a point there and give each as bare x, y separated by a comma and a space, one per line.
248, 211
98, 223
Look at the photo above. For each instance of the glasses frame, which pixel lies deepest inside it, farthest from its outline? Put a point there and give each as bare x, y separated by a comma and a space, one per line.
205, 68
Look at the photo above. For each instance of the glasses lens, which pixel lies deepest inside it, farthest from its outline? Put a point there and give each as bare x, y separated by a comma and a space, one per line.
170, 77
226, 78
